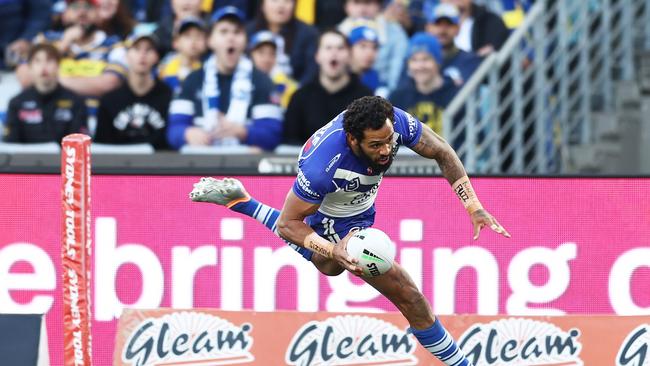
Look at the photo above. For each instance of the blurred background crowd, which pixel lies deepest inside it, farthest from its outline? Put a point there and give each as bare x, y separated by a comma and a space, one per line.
232, 75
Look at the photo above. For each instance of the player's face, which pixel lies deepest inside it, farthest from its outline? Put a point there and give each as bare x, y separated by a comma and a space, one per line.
364, 54
445, 31
377, 147
264, 57
44, 71
228, 41
141, 57
333, 56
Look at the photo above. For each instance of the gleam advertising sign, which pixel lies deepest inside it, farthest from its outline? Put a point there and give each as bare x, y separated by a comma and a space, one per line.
203, 336
578, 246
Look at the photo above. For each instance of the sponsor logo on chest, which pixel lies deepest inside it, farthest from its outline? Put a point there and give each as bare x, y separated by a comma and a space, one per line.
32, 116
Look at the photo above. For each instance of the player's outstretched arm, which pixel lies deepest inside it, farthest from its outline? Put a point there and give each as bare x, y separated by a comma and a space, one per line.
292, 227
433, 146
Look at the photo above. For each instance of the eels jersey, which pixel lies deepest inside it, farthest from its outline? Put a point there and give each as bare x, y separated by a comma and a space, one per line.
344, 185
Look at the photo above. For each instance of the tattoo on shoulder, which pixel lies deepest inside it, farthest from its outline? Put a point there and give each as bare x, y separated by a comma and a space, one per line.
429, 144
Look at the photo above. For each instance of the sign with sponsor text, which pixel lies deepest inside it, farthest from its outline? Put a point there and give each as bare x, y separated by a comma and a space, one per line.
579, 246
204, 336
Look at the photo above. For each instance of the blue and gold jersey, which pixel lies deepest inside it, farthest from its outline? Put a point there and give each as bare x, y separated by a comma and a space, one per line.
172, 72
428, 108
100, 55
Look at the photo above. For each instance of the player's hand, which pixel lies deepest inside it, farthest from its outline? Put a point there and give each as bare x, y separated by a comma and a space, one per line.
482, 218
197, 136
344, 259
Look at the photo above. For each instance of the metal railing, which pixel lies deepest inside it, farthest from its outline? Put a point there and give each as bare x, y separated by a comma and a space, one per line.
529, 102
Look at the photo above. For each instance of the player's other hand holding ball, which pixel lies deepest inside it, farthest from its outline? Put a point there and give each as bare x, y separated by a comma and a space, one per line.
343, 258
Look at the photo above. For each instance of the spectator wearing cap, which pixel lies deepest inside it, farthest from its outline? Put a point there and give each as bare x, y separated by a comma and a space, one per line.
22, 20
364, 43
457, 64
136, 112
189, 46
329, 94
228, 101
481, 31
263, 51
429, 91
45, 111
393, 40
181, 9
297, 42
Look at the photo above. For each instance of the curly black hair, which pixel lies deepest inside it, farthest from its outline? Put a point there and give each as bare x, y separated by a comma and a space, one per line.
367, 113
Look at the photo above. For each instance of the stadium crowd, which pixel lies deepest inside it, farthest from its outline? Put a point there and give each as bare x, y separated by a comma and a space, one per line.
182, 74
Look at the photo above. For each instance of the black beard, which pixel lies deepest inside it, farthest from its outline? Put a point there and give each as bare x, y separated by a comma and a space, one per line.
377, 168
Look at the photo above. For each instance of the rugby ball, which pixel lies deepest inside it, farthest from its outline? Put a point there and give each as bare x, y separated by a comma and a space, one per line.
374, 250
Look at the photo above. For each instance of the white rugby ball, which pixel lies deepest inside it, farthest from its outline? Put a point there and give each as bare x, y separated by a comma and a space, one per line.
374, 250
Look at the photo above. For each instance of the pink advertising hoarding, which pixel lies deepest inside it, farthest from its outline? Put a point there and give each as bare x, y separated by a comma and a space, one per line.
578, 246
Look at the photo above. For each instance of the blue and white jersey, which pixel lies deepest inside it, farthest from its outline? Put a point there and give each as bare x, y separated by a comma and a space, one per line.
344, 185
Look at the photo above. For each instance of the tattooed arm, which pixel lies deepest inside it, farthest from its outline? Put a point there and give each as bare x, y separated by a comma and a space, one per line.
433, 146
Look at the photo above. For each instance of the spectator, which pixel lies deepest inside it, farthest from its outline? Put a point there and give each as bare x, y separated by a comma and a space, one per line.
325, 97
88, 67
247, 7
481, 31
429, 92
189, 46
419, 13
297, 42
44, 112
393, 40
263, 51
136, 112
228, 101
181, 9
91, 65
149, 11
399, 11
364, 43
115, 18
457, 64
21, 21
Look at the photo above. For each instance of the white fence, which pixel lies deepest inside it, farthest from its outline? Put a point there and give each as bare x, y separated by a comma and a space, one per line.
527, 103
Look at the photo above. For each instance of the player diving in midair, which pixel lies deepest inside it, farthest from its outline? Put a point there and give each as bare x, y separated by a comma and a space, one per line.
339, 171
